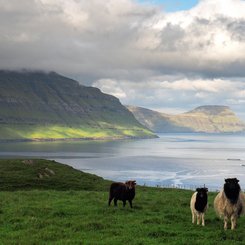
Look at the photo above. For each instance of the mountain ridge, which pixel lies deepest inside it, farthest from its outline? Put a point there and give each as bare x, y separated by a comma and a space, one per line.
207, 119
38, 105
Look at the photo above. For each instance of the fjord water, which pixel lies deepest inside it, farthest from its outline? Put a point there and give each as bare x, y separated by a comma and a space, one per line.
183, 160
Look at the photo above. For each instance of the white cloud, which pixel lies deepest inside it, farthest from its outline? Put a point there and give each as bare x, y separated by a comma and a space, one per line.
124, 35
157, 93
136, 52
241, 94
110, 86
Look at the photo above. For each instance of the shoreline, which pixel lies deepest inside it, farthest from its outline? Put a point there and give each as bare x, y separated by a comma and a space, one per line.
77, 139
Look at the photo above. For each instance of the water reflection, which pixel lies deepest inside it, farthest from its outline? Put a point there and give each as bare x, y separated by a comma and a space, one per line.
172, 159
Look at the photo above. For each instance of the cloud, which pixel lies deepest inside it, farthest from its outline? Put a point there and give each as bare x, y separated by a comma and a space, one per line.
110, 86
135, 51
123, 35
181, 94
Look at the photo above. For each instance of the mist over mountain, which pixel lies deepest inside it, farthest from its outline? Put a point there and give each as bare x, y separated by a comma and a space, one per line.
38, 105
207, 119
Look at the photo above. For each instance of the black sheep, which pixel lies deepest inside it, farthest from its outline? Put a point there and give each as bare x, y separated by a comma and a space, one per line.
123, 192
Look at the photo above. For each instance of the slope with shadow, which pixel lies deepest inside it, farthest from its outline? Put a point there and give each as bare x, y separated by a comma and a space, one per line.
38, 105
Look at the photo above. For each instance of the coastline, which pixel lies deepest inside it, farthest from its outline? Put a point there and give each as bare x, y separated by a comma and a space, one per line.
113, 138
179, 159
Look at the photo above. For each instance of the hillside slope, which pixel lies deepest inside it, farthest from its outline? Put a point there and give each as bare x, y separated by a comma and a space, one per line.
41, 174
72, 208
208, 119
37, 105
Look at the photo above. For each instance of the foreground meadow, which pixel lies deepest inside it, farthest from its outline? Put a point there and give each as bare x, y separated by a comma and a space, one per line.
48, 214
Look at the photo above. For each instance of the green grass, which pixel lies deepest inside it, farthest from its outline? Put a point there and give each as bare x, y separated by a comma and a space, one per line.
27, 174
56, 132
160, 216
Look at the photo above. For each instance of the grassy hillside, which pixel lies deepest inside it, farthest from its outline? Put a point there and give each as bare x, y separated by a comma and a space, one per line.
62, 132
28, 174
159, 216
207, 119
37, 105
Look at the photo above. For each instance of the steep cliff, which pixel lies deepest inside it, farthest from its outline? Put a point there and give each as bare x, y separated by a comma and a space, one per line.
38, 105
208, 119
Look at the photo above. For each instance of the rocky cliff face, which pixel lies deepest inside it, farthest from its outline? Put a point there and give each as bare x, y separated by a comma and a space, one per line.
36, 97
208, 119
47, 99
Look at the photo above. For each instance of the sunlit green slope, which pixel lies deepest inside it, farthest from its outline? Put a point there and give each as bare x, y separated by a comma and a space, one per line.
48, 106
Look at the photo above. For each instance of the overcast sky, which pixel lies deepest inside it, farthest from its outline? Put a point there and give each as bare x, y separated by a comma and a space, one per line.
166, 55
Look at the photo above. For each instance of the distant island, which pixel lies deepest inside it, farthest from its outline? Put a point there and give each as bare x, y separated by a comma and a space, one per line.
47, 106
205, 119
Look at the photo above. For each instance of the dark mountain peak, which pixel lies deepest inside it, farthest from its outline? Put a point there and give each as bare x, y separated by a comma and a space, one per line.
33, 76
27, 72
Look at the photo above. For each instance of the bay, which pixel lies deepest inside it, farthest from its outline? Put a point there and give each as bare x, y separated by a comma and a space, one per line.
173, 160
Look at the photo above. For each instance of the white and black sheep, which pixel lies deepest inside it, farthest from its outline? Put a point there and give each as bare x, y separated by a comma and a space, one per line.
198, 205
229, 203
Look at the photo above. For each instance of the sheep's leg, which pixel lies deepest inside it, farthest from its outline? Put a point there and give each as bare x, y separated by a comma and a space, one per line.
130, 202
109, 202
115, 202
124, 203
198, 218
233, 222
193, 217
203, 219
225, 222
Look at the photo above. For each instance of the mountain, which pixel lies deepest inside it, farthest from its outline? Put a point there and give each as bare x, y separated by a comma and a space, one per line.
208, 119
48, 106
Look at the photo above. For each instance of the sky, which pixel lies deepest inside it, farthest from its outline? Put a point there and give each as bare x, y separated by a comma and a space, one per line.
170, 56
171, 5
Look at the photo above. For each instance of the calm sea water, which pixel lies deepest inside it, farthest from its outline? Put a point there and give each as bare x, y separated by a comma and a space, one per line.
183, 160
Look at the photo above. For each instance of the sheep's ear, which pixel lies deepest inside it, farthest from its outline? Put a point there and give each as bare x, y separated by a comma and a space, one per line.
237, 180
197, 189
226, 180
206, 189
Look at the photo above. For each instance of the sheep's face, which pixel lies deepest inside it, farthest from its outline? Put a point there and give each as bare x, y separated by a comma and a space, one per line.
202, 192
232, 189
232, 183
130, 184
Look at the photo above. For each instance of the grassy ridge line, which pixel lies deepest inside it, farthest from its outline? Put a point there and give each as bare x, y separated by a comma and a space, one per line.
159, 216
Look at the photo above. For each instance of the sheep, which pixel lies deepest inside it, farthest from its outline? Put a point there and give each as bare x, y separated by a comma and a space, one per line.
229, 202
198, 205
122, 191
